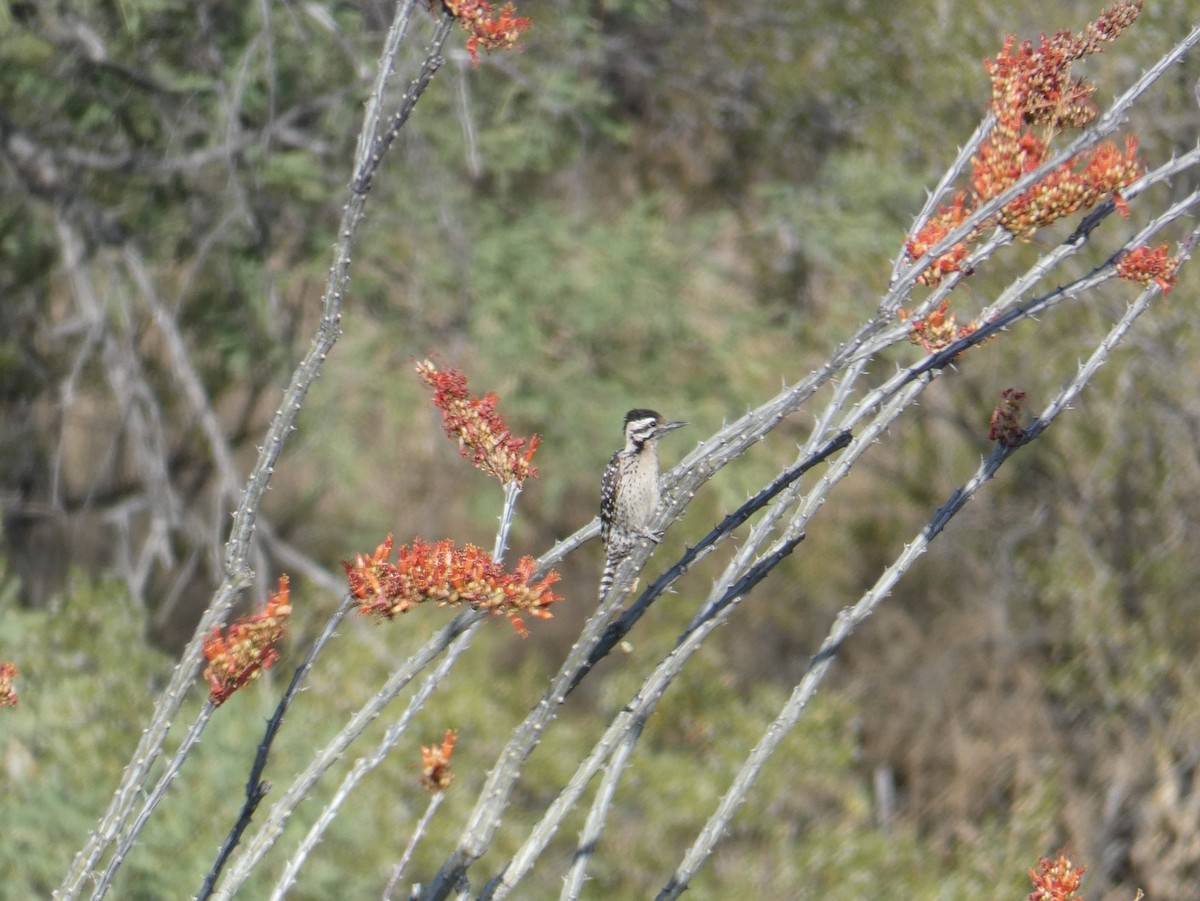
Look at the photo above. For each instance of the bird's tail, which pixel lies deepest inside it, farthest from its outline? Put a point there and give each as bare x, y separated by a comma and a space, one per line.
606, 578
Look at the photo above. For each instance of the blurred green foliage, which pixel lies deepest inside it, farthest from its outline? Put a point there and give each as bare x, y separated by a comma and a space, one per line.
90, 679
678, 205
87, 679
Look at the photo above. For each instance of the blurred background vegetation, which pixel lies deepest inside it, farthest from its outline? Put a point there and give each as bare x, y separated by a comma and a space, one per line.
665, 204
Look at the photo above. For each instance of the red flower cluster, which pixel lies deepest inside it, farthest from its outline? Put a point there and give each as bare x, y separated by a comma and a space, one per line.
8, 692
1145, 265
1032, 88
1036, 83
1058, 880
435, 764
947, 219
937, 330
478, 427
487, 28
1004, 426
1067, 189
247, 647
447, 576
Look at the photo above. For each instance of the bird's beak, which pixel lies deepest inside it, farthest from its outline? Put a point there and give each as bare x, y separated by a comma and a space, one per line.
670, 427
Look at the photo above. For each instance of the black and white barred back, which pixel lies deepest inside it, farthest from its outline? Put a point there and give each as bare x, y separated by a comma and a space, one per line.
629, 495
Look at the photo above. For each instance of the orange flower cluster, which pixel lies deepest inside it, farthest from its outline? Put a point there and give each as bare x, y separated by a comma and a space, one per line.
1032, 88
447, 576
1004, 426
937, 330
1036, 83
435, 764
1058, 880
1145, 265
247, 647
487, 28
947, 219
8, 692
1067, 189
478, 427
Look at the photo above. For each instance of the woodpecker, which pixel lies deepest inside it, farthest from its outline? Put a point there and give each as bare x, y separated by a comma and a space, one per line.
629, 495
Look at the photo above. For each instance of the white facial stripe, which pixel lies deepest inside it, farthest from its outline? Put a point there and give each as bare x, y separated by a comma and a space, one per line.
641, 429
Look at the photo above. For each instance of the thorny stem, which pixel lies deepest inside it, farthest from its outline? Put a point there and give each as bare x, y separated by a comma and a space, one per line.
396, 731
736, 438
512, 491
593, 827
493, 799
365, 765
951, 175
371, 146
681, 482
849, 619
1109, 122
846, 622
741, 575
706, 459
632, 716
256, 787
617, 630
434, 803
620, 628
155, 797
272, 827
1036, 305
